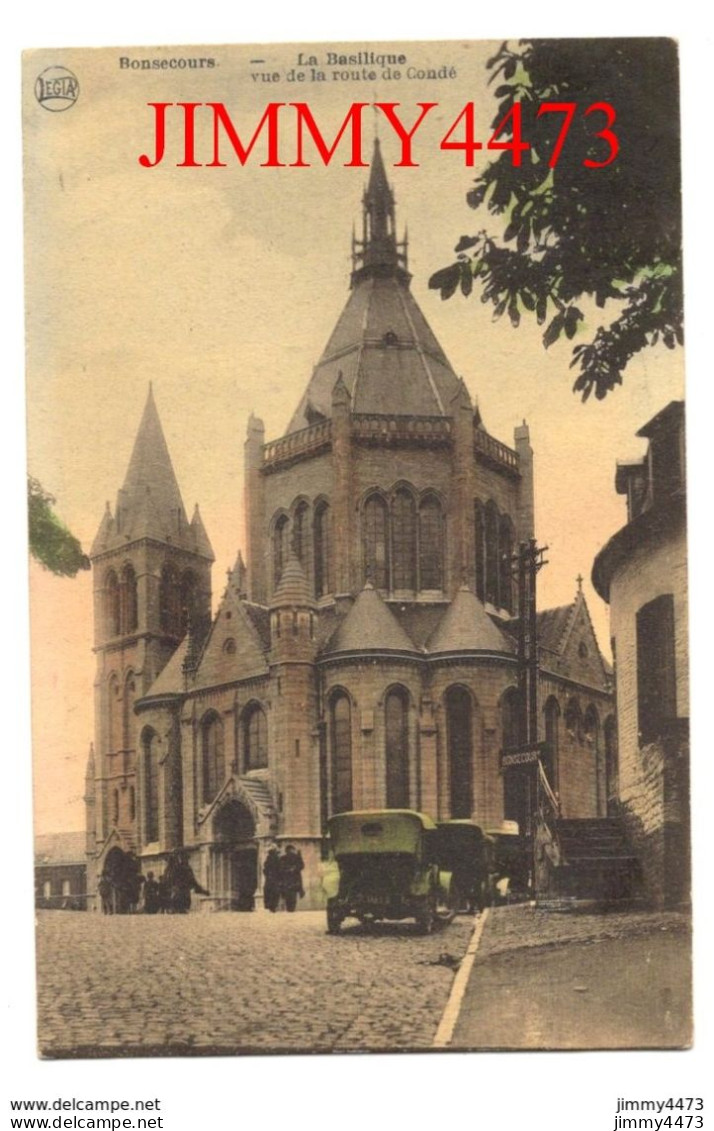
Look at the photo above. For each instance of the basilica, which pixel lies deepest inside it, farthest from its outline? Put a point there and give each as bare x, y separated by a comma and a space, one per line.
365, 651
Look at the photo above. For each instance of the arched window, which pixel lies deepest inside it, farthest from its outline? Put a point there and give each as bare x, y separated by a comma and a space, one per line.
505, 550
188, 601
129, 721
112, 604
431, 544
591, 726
396, 727
255, 738
612, 769
459, 740
321, 538
403, 541
132, 804
492, 562
150, 757
550, 755
131, 607
300, 534
213, 763
170, 601
115, 807
114, 719
480, 538
280, 548
510, 719
573, 720
374, 542
341, 752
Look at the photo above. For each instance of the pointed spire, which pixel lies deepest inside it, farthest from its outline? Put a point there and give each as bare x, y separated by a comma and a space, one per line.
149, 503
378, 252
237, 577
379, 198
203, 546
150, 472
105, 532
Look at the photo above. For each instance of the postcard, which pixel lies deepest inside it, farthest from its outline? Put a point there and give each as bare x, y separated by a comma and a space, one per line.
357, 495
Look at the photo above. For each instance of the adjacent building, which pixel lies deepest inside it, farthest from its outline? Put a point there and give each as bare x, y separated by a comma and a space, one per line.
61, 871
642, 573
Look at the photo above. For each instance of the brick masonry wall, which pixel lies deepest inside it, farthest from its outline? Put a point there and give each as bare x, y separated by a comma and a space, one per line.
653, 777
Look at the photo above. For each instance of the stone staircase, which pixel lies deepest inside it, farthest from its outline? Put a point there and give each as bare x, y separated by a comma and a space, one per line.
597, 868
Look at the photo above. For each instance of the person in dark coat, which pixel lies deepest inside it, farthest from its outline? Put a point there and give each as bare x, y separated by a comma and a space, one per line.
291, 866
183, 882
164, 895
106, 893
271, 879
151, 895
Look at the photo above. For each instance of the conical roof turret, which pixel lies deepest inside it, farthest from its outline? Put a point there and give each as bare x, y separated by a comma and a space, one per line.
293, 588
370, 626
467, 627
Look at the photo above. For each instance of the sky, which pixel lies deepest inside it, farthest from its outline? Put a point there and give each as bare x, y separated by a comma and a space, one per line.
220, 286
537, 1090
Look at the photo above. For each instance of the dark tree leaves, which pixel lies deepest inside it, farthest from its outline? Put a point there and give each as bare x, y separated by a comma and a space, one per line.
611, 234
51, 543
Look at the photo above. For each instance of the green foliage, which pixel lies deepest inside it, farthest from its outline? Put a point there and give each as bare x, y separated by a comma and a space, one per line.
51, 543
609, 234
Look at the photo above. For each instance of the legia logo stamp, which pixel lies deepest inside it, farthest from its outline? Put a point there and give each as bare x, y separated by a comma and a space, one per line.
56, 89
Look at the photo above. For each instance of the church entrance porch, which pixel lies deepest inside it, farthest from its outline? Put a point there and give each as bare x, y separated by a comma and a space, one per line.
233, 859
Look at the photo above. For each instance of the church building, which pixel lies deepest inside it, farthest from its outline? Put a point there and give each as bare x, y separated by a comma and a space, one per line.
365, 654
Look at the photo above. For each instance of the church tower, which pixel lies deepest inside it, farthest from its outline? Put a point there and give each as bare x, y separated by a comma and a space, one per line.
386, 473
152, 580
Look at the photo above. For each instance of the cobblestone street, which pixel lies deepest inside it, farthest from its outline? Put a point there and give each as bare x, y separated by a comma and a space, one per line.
232, 983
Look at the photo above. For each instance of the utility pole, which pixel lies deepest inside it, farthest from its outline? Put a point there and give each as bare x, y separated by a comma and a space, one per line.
529, 560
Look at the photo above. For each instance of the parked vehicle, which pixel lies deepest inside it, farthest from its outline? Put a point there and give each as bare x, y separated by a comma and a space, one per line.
512, 863
384, 866
466, 851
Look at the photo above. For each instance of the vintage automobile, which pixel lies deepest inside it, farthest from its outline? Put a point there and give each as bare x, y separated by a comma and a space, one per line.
512, 856
383, 866
466, 851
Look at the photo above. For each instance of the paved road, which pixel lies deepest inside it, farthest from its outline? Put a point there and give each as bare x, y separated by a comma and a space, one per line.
545, 980
232, 983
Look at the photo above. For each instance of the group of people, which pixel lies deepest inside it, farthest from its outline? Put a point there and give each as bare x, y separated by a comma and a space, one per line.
123, 890
129, 891
282, 873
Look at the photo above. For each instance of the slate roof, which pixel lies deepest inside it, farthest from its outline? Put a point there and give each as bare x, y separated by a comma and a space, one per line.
170, 681
61, 848
467, 627
369, 626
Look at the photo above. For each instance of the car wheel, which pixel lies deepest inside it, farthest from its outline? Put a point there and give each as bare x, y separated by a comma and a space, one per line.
446, 906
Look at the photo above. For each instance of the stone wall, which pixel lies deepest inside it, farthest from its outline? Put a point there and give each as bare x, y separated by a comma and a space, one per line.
654, 777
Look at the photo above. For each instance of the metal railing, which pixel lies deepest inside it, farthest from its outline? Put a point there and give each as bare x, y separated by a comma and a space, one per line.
546, 843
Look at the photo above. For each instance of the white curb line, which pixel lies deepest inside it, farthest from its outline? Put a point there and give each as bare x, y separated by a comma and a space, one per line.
450, 1016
